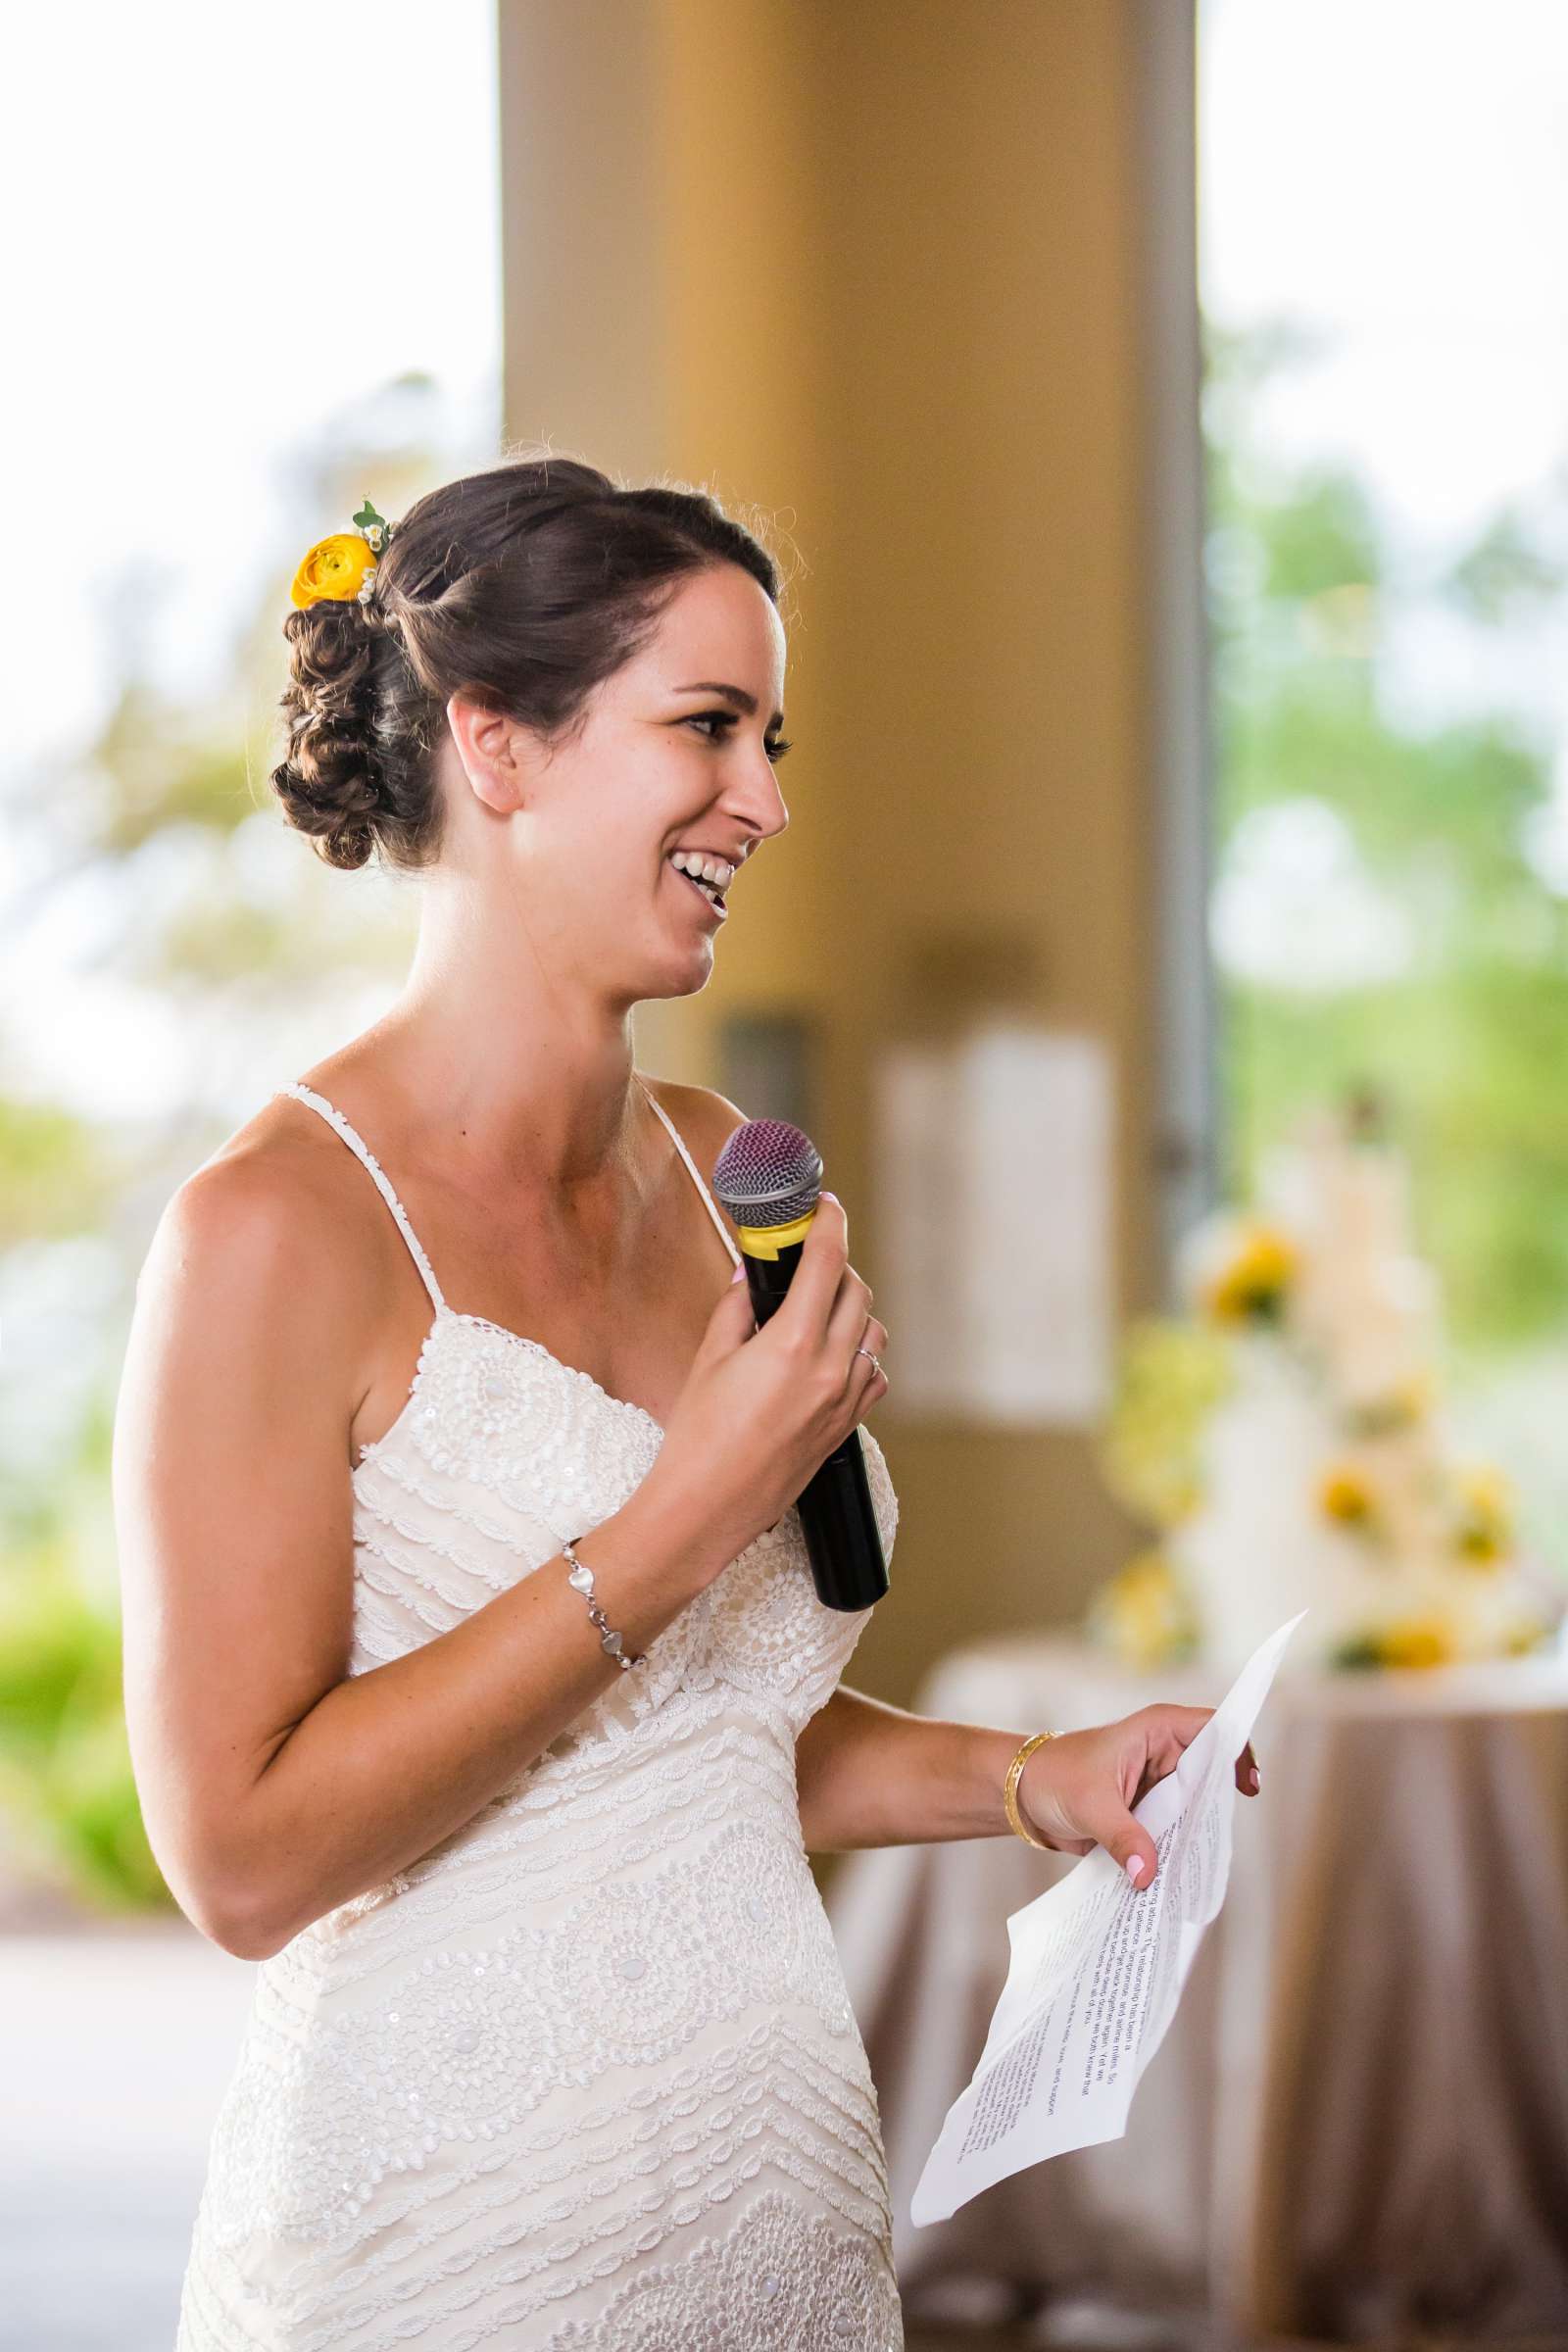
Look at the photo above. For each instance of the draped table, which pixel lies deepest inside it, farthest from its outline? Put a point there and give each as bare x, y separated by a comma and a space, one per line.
1358, 2120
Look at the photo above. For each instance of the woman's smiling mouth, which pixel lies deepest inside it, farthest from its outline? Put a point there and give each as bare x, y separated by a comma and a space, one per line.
710, 893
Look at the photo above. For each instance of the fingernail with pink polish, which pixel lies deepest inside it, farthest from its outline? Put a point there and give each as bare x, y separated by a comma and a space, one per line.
1135, 1868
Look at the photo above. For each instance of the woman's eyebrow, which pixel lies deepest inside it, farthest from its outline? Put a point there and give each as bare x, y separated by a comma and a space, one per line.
734, 694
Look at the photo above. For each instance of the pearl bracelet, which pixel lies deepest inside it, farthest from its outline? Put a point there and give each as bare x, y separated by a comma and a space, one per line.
581, 1577
1009, 1793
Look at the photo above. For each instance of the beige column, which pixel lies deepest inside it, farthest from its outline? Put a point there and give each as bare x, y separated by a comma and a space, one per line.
873, 266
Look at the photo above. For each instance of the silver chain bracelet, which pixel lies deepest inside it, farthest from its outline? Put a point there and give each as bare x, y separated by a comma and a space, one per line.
581, 1577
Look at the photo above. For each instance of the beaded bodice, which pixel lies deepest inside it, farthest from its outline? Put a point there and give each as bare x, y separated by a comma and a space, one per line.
501, 1452
585, 2075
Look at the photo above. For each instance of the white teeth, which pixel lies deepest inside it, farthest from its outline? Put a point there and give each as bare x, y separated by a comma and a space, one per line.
716, 870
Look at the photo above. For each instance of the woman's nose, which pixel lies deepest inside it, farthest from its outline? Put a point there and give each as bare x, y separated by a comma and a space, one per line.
765, 803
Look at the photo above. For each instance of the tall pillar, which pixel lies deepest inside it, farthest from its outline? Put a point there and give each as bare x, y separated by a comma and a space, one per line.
878, 269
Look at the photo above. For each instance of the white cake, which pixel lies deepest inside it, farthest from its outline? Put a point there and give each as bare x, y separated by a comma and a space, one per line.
1325, 1477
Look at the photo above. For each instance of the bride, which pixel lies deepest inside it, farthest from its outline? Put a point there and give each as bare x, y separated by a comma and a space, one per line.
476, 1681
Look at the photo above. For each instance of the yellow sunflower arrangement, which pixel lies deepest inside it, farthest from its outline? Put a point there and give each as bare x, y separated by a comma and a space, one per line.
1252, 1284
1283, 1440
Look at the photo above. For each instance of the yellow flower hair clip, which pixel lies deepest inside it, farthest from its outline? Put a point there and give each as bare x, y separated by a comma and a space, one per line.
342, 566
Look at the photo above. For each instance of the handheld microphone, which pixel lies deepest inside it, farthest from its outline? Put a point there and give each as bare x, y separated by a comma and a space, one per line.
769, 1179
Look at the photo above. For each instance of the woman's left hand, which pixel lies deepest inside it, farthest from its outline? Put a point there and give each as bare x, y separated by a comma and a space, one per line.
1078, 1792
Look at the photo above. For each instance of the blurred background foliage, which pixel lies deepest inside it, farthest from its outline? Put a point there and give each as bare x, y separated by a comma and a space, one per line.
1382, 918
1404, 939
219, 955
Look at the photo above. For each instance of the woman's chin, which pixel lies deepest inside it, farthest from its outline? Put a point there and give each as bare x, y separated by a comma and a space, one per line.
681, 974
695, 949
678, 961
697, 973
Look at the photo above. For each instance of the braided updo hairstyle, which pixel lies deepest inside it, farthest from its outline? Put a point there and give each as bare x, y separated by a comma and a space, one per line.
522, 586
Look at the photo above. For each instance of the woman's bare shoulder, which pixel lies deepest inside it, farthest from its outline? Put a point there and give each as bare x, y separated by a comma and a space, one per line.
275, 1203
707, 1119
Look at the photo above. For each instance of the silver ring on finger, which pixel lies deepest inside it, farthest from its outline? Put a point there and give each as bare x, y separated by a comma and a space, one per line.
870, 1358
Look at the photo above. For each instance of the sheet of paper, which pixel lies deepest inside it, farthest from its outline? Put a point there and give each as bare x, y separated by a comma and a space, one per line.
1096, 1972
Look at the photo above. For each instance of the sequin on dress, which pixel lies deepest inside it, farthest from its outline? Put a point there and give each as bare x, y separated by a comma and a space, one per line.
584, 2078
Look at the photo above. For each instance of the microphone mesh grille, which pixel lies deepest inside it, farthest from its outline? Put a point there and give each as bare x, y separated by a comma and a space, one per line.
768, 1173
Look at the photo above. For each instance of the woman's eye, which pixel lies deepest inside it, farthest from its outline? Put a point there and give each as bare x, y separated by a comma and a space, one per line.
727, 719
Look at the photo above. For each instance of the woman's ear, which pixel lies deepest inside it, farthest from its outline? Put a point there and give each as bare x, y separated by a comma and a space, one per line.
491, 754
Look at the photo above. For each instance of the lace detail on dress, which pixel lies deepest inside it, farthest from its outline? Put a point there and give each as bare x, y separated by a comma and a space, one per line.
470, 2042
781, 2279
502, 1413
585, 2076
499, 1454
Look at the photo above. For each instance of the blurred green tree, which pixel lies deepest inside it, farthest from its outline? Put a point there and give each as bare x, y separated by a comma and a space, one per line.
203, 903
1459, 1023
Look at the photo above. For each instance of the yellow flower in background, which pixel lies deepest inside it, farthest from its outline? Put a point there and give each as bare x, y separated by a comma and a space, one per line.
1415, 1641
333, 570
1144, 1613
1348, 1497
1408, 1401
1485, 1530
1169, 1376
1252, 1286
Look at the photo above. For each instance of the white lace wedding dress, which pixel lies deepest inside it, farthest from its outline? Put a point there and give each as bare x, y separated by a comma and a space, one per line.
585, 2075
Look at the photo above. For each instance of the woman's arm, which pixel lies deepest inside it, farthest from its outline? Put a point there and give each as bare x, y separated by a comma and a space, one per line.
867, 1774
275, 1785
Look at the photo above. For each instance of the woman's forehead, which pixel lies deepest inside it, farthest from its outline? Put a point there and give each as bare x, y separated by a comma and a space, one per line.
722, 625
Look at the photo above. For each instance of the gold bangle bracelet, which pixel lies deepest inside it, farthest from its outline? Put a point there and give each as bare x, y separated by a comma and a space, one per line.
1009, 1793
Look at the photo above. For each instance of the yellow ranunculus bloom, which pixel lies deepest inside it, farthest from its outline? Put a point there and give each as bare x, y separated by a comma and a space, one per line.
1485, 1530
1415, 1641
1252, 1286
1145, 1612
333, 570
1345, 1495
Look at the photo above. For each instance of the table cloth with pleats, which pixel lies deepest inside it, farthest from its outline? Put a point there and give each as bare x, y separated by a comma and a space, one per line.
1358, 2121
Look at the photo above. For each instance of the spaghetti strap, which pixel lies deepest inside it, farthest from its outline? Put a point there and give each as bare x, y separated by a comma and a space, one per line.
708, 1197
357, 1145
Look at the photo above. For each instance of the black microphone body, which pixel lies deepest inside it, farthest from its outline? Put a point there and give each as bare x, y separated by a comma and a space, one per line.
842, 1537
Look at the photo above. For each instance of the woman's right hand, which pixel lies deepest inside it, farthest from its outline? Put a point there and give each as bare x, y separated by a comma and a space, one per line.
762, 1409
